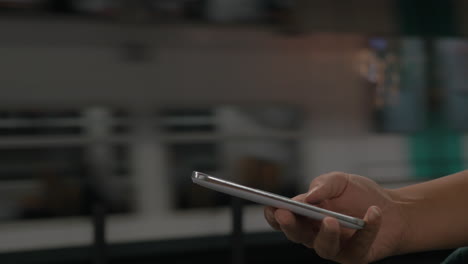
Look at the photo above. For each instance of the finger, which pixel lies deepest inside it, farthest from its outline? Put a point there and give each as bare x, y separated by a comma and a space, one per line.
269, 213
296, 228
299, 198
327, 186
327, 242
357, 247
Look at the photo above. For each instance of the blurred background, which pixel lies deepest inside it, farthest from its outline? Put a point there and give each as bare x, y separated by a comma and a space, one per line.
106, 108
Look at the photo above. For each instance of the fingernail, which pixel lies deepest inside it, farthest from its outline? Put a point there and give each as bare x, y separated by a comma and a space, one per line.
325, 224
375, 213
312, 191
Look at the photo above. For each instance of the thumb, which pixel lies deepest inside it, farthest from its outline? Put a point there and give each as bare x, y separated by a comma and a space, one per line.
327, 186
359, 244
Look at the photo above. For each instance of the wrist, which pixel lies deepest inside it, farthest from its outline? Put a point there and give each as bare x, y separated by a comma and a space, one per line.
399, 208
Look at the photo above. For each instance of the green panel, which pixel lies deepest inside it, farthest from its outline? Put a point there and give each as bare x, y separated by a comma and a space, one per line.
436, 151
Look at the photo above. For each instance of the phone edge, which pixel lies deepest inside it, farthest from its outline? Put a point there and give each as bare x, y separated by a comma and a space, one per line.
208, 178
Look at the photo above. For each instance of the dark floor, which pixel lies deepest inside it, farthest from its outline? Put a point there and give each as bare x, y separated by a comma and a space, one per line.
259, 248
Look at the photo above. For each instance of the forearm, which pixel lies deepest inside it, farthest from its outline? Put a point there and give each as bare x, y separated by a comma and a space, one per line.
435, 212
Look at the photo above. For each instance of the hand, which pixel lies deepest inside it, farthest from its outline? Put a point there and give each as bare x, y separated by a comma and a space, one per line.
352, 195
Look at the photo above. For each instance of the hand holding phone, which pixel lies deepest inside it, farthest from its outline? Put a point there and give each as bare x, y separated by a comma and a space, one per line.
274, 200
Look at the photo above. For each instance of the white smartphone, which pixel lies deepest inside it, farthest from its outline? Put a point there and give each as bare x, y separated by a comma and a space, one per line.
274, 200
